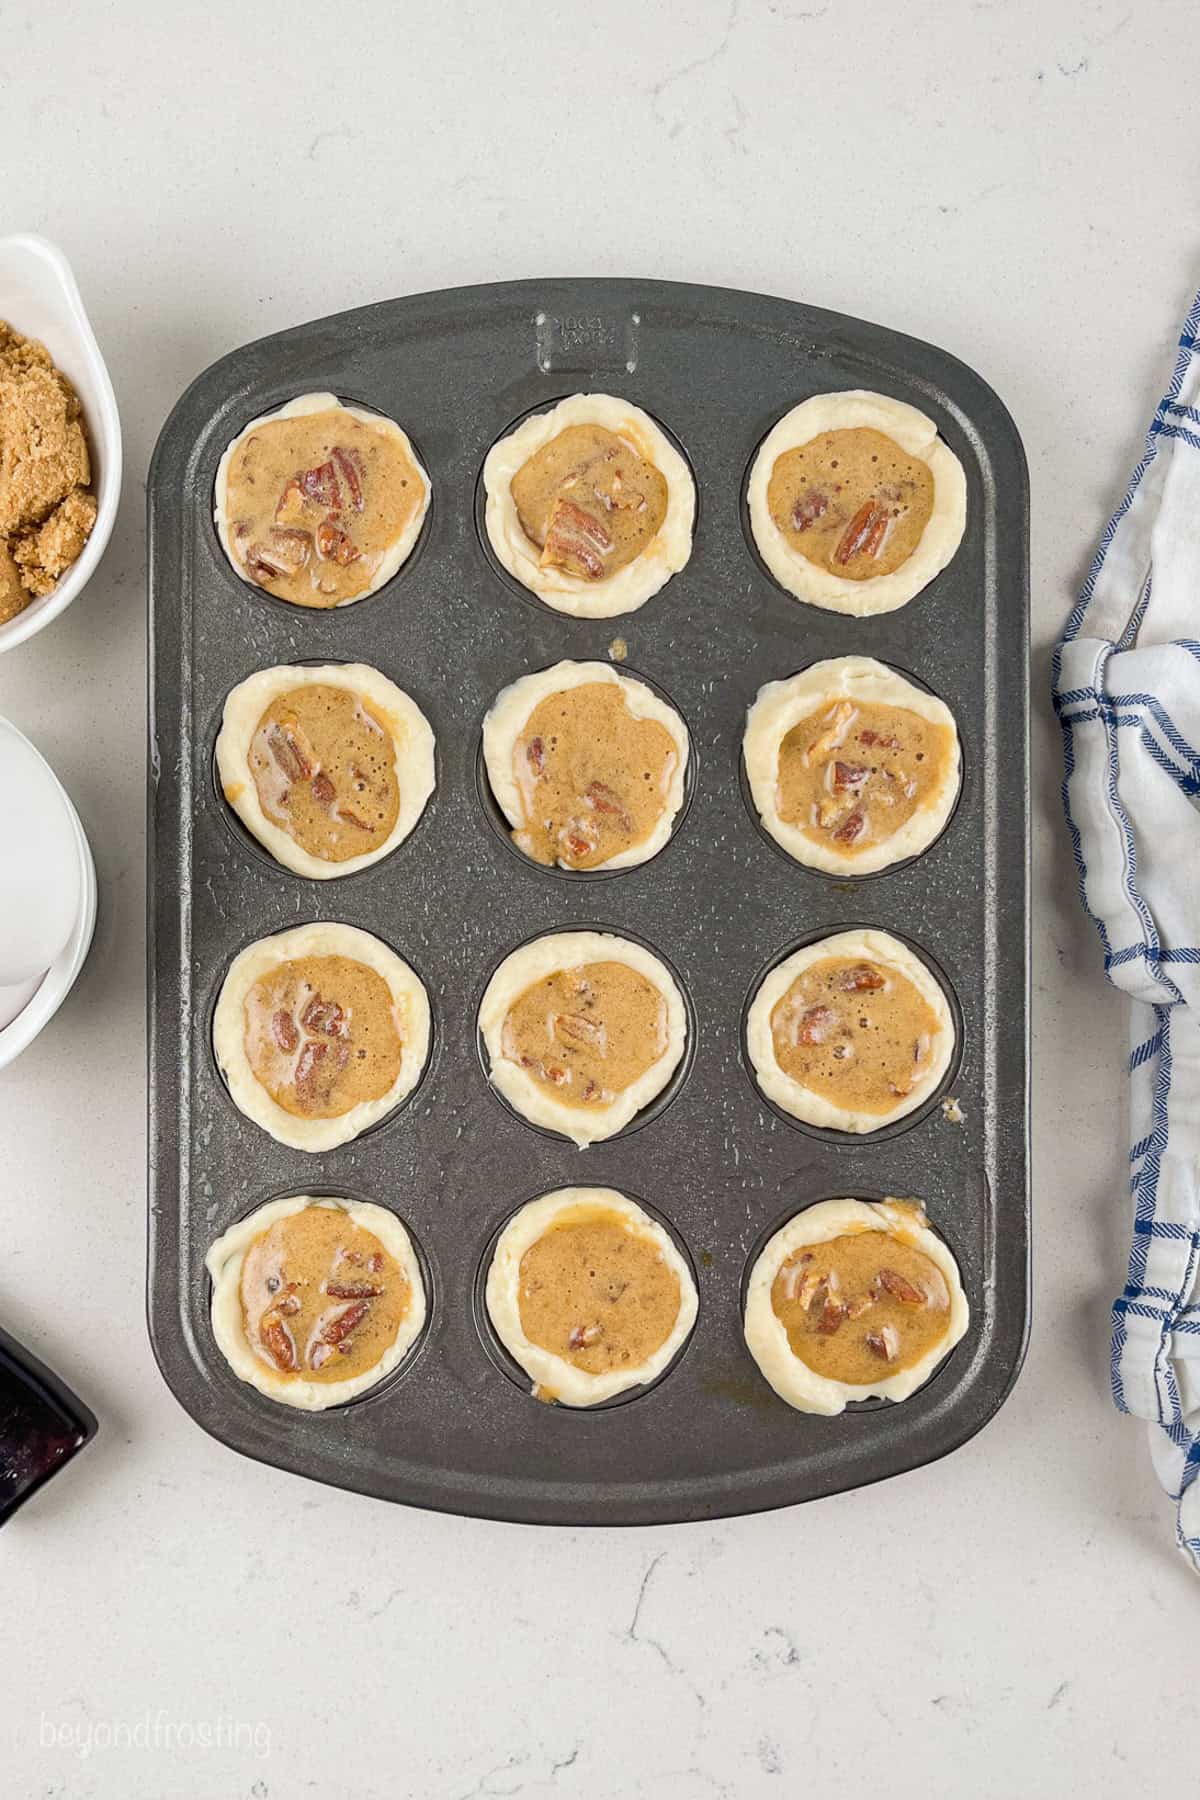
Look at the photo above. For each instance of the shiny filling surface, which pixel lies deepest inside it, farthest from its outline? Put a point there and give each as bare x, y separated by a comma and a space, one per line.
858, 1034
322, 1035
861, 1307
324, 767
852, 502
598, 1292
589, 502
853, 773
586, 1034
315, 502
593, 780
322, 1299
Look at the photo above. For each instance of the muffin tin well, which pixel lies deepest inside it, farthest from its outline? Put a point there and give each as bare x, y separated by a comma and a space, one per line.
720, 903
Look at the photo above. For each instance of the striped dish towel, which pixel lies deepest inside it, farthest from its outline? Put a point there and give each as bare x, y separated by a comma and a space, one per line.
1127, 693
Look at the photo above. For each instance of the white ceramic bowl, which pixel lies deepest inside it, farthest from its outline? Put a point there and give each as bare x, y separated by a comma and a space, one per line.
49, 993
39, 298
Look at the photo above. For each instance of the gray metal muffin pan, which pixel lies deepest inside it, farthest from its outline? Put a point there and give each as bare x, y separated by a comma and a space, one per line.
448, 1430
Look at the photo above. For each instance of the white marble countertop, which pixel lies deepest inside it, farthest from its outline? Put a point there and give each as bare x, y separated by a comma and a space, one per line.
1005, 179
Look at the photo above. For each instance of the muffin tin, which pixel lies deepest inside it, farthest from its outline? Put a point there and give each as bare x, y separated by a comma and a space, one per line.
719, 903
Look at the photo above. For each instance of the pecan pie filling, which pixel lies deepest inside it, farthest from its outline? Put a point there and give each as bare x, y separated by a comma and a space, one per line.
316, 501
322, 1035
597, 1292
854, 773
589, 502
323, 764
593, 779
852, 502
586, 1034
860, 1307
322, 1299
856, 1033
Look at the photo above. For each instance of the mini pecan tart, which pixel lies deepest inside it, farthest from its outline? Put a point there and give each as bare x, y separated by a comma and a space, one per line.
855, 502
590, 506
853, 1299
330, 767
582, 1030
851, 1032
319, 503
589, 1295
315, 1300
319, 1032
587, 766
851, 767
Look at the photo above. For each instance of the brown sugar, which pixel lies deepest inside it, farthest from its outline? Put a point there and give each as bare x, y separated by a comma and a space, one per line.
46, 509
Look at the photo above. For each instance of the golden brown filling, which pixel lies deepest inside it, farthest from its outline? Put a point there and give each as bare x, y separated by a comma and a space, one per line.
593, 779
852, 502
322, 1035
321, 1297
589, 502
597, 1292
324, 767
854, 773
859, 1035
586, 1034
861, 1307
314, 504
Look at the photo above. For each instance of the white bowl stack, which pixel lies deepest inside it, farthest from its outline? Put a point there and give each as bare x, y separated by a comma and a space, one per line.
47, 877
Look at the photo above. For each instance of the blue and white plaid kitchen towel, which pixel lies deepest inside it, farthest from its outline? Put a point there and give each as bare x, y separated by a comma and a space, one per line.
1127, 693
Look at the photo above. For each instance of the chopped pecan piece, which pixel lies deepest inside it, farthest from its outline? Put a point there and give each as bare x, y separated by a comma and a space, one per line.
323, 1016
884, 1344
863, 978
810, 507
876, 738
321, 485
901, 1288
864, 534
605, 800
352, 1290
584, 1335
283, 1030
839, 719
346, 817
851, 829
291, 750
832, 1316
294, 546
323, 790
579, 836
337, 1330
814, 1026
577, 1032
347, 466
335, 545
276, 1340
575, 541
308, 1069
288, 550
795, 1275
849, 777
535, 755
